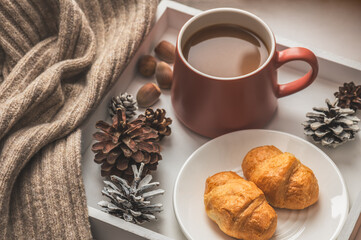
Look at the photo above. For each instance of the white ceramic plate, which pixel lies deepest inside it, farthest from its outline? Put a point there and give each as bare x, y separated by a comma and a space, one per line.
322, 220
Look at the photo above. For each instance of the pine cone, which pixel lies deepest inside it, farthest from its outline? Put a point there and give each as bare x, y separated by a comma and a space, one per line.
125, 101
123, 144
349, 96
158, 121
131, 201
331, 126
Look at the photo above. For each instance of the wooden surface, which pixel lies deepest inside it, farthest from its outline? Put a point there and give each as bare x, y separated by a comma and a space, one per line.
332, 25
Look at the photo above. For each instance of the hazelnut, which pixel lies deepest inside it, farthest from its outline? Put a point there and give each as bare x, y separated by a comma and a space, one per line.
164, 75
148, 94
165, 51
146, 65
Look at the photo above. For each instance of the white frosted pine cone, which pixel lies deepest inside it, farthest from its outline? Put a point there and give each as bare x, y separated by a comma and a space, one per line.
131, 202
125, 101
332, 125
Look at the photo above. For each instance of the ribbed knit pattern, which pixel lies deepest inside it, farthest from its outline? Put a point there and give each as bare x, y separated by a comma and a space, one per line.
57, 60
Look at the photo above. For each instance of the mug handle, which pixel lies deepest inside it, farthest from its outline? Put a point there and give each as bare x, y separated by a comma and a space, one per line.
291, 54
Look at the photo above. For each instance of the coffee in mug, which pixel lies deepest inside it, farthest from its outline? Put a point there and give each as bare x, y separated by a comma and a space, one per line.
225, 50
220, 86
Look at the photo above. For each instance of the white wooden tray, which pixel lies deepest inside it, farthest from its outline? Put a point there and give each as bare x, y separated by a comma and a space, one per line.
179, 146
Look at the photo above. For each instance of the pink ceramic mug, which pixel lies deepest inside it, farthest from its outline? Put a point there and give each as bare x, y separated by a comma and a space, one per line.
212, 106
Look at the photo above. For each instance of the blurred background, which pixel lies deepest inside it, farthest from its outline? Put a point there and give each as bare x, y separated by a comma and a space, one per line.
330, 25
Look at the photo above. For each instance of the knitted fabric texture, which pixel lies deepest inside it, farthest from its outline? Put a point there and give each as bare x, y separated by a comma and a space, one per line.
57, 60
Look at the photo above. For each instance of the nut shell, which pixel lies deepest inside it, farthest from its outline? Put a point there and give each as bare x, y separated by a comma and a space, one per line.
164, 75
165, 51
147, 65
148, 94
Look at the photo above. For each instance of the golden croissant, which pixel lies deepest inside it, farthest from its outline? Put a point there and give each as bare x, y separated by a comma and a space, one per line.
239, 207
285, 181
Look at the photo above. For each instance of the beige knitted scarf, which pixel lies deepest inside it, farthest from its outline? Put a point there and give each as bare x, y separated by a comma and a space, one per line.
57, 60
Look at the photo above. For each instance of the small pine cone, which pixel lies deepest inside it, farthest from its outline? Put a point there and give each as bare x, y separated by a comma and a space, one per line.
125, 101
122, 144
158, 121
331, 126
131, 201
349, 96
